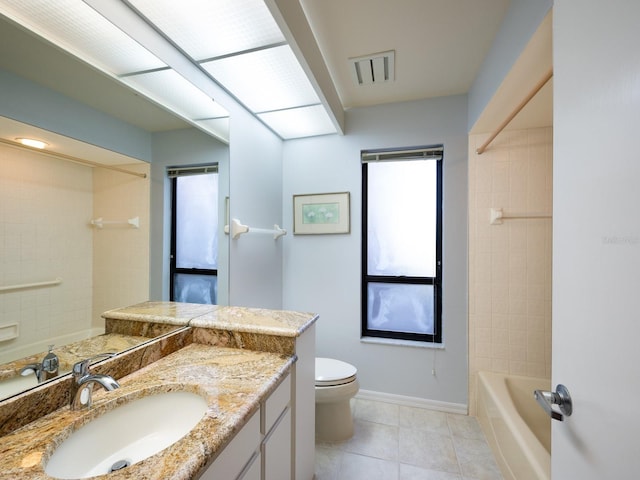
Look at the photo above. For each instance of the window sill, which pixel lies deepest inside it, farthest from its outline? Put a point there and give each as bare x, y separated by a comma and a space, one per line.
401, 343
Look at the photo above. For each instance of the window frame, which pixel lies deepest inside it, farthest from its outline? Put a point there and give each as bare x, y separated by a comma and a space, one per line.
174, 173
396, 155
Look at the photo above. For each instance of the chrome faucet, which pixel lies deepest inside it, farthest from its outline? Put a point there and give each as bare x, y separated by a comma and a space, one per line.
84, 380
43, 371
50, 364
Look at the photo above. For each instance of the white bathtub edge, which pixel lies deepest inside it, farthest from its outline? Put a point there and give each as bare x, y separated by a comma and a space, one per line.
531, 447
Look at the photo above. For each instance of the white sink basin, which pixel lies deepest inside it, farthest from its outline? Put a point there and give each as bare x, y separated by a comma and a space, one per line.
126, 435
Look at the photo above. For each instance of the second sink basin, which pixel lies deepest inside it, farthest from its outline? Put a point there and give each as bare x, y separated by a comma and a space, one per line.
126, 435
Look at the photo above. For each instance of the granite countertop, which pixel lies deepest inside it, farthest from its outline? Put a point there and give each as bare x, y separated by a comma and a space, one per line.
233, 381
174, 313
281, 323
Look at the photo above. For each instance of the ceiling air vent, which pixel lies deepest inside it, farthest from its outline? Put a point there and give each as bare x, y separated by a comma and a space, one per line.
373, 69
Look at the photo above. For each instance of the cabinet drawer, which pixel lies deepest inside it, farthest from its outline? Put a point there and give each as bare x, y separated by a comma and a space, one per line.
275, 404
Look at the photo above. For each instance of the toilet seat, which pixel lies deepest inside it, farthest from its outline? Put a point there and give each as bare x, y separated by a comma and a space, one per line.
331, 372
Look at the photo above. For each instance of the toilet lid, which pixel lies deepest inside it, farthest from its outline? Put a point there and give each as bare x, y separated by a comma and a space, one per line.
334, 372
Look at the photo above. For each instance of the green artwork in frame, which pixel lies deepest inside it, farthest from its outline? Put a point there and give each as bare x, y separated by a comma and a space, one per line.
320, 213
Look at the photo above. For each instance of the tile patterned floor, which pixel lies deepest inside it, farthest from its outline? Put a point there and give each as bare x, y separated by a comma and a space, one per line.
394, 442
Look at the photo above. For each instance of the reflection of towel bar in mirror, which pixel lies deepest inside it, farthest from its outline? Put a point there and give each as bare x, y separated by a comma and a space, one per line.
100, 223
22, 286
236, 229
496, 216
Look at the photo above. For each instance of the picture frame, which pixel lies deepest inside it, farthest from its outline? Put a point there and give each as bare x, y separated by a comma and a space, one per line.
321, 213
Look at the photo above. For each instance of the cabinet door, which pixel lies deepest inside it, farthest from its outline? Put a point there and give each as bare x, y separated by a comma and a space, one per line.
276, 450
253, 470
233, 459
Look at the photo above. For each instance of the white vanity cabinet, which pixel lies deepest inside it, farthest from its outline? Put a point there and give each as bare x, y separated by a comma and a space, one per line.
262, 449
239, 458
276, 427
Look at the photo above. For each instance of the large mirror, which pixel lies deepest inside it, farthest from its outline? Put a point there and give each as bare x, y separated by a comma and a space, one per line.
78, 240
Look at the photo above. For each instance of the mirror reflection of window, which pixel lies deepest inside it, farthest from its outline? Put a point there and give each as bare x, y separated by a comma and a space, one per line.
194, 234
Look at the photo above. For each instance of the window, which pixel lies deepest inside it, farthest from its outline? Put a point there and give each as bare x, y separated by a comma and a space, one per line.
402, 244
194, 234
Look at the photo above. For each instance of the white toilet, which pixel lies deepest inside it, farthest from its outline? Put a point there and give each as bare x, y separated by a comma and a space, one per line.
336, 384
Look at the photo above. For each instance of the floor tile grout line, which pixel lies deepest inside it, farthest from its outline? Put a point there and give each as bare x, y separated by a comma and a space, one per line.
464, 431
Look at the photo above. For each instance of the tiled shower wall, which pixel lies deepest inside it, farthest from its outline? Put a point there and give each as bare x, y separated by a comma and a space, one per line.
45, 208
121, 253
510, 264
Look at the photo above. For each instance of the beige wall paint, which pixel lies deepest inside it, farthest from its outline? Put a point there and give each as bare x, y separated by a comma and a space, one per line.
510, 264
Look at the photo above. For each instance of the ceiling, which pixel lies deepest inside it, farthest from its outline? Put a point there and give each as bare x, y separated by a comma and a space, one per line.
439, 47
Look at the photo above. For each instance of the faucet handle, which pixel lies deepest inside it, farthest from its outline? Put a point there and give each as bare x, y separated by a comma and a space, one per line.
50, 362
81, 368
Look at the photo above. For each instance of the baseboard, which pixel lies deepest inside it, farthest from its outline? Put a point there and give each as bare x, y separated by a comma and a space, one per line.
447, 407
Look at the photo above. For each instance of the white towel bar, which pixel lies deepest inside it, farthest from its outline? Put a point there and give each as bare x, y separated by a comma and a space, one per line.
23, 286
100, 223
496, 216
236, 229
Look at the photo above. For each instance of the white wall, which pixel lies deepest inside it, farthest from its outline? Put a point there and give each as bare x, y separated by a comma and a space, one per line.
33, 104
255, 277
322, 273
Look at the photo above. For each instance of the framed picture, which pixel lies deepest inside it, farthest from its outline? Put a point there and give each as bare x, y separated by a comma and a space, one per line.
321, 213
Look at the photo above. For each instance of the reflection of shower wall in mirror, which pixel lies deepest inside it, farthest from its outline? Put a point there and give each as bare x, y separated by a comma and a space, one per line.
45, 209
45, 206
120, 254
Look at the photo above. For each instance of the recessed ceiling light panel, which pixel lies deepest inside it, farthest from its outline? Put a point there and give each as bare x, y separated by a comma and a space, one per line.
265, 80
299, 122
209, 28
79, 29
171, 89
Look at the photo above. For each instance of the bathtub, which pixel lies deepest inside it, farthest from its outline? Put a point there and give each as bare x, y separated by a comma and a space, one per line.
516, 427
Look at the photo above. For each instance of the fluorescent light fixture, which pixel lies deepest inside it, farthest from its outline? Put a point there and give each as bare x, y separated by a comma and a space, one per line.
205, 29
217, 126
30, 142
236, 42
82, 31
169, 88
265, 80
299, 122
